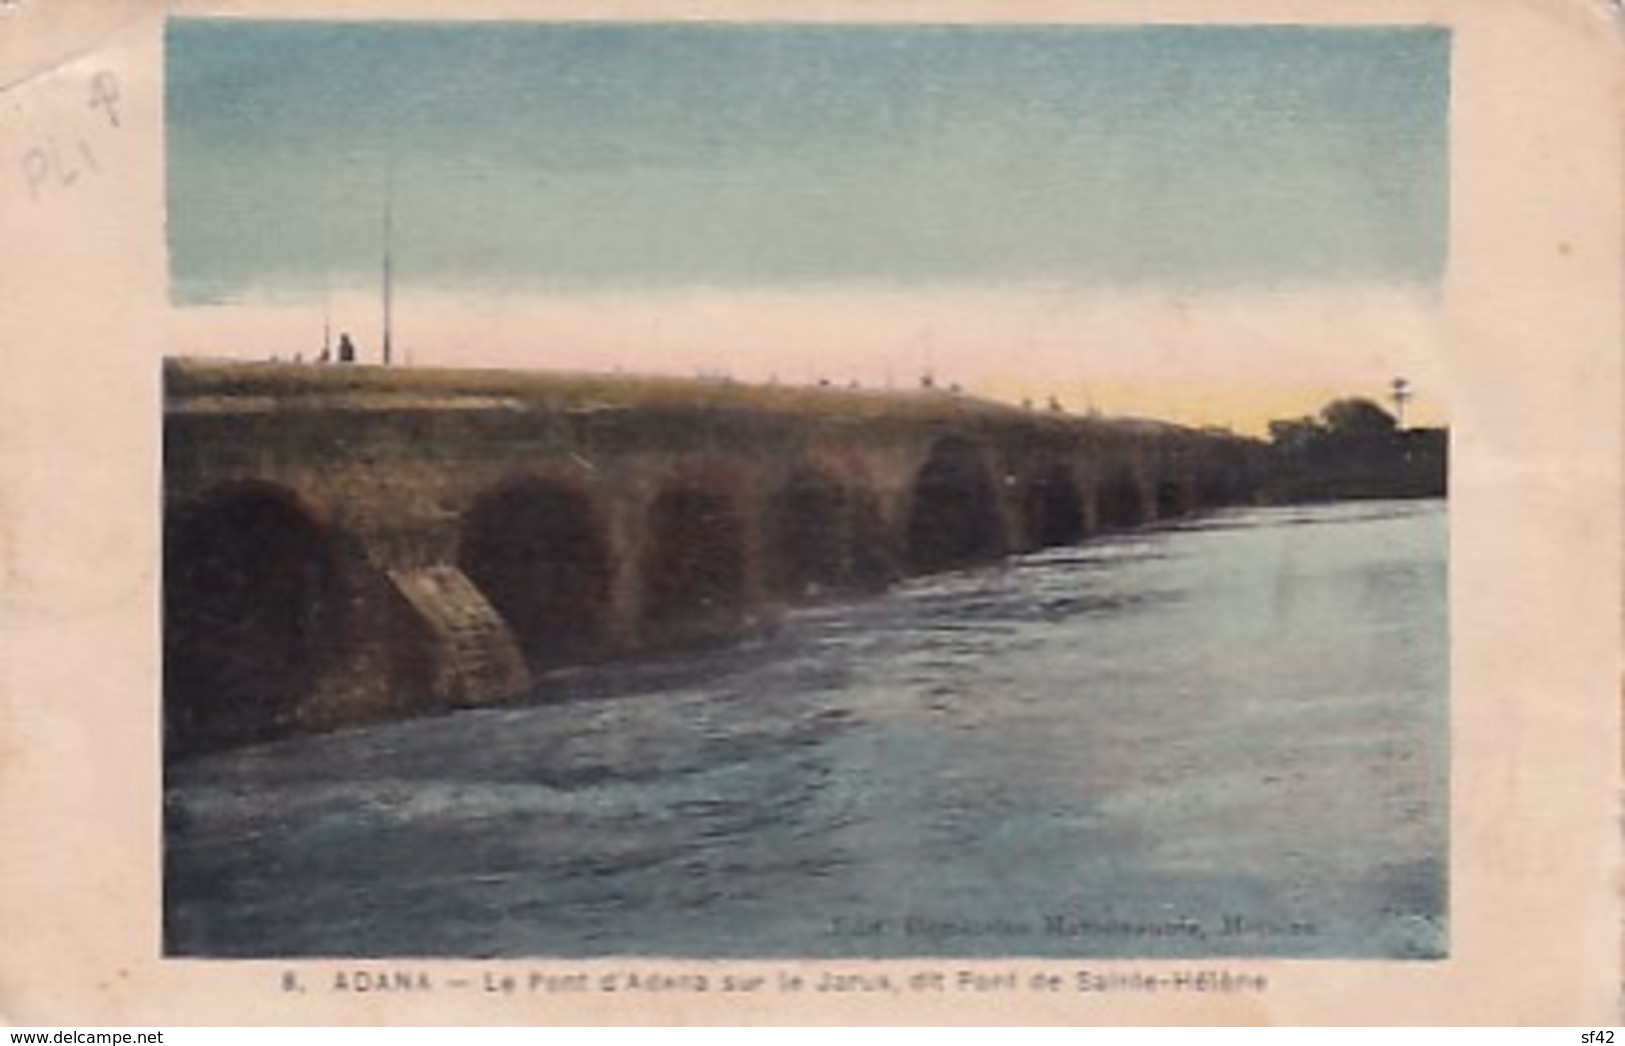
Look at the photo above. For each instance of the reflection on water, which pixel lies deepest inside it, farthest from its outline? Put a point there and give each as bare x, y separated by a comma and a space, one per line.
1224, 738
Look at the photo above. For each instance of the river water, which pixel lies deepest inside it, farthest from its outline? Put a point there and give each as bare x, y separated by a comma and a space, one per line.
1227, 737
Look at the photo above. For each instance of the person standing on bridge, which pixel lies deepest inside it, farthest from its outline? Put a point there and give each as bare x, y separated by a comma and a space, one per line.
346, 349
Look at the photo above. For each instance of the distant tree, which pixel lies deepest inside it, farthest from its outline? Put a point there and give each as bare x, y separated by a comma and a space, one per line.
1356, 418
1353, 448
1295, 435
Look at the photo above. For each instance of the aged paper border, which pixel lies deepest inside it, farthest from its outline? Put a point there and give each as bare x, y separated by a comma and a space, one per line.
1530, 322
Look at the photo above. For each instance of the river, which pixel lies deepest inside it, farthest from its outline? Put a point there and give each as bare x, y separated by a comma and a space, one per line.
1225, 737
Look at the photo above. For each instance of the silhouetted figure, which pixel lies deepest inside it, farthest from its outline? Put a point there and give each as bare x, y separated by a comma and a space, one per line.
346, 349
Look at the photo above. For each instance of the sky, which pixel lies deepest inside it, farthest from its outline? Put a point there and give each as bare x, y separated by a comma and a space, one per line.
793, 202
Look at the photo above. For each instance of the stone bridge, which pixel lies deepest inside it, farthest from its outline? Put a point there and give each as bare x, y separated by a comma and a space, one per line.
352, 543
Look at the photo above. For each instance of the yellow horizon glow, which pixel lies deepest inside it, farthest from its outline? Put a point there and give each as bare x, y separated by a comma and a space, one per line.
1233, 362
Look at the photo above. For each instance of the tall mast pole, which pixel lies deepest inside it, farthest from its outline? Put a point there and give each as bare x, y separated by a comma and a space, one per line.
389, 209
1402, 392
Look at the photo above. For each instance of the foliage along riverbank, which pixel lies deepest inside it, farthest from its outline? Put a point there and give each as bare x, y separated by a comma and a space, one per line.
1354, 450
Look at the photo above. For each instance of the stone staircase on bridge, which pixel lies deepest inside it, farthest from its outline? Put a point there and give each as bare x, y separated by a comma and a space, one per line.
477, 660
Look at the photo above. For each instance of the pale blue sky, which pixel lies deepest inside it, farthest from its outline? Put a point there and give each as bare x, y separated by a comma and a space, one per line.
553, 158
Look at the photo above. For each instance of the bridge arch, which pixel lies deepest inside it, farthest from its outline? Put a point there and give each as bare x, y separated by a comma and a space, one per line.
254, 612
1054, 508
954, 519
539, 550
1214, 489
695, 562
824, 533
1173, 498
1119, 499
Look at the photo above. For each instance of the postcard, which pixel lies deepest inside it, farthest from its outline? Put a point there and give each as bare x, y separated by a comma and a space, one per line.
832, 513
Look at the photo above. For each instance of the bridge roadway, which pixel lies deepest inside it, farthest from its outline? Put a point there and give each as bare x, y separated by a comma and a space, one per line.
345, 544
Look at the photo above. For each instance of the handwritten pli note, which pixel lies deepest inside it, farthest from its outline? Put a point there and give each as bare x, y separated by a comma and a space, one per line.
54, 163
